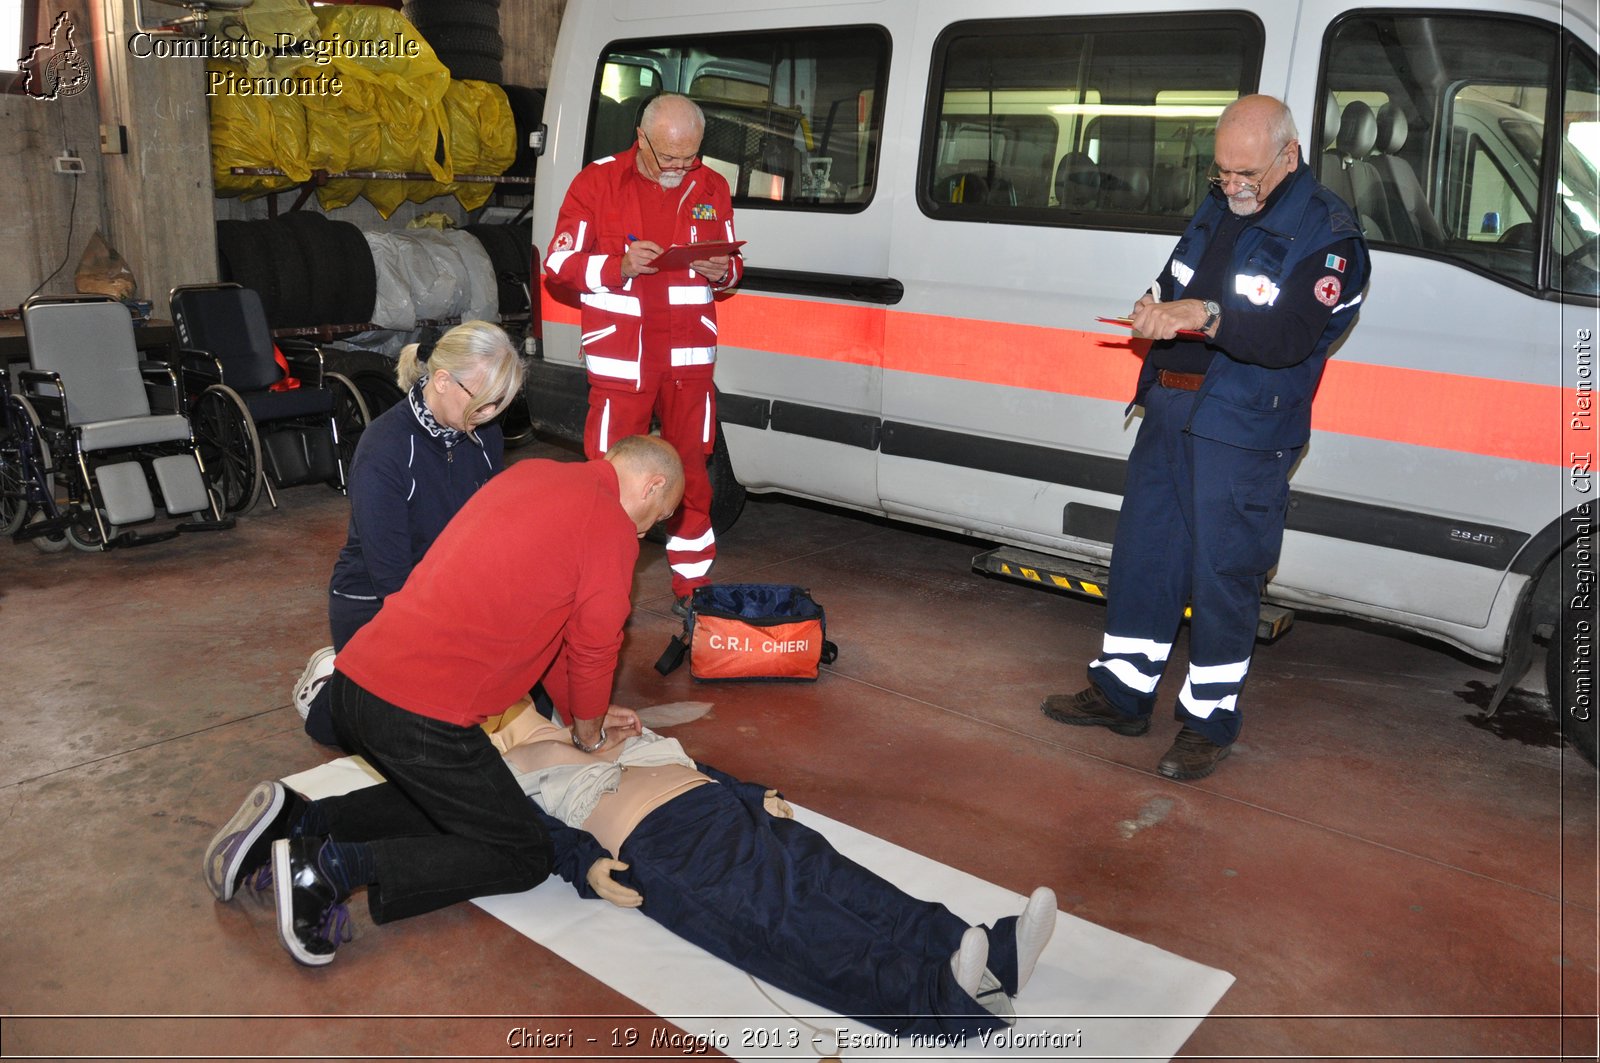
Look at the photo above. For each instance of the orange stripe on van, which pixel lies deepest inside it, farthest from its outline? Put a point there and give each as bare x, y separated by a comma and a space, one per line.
1494, 418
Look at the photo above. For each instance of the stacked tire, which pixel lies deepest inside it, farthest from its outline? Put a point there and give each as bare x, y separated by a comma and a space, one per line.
464, 34
510, 249
308, 270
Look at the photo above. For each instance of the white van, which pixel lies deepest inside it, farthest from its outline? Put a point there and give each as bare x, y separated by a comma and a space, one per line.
941, 198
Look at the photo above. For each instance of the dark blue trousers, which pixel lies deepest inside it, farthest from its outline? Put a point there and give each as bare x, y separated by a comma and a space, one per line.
775, 899
450, 824
1201, 526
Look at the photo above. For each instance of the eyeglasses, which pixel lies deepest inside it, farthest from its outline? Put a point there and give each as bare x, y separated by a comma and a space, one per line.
671, 162
487, 409
1249, 180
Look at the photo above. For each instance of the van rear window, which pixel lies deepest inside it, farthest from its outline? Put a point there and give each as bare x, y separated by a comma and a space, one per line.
793, 117
1104, 122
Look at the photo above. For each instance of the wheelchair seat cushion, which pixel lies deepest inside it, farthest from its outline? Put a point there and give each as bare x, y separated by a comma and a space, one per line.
298, 402
134, 431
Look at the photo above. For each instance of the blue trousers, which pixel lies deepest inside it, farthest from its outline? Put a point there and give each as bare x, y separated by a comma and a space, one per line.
775, 899
1201, 526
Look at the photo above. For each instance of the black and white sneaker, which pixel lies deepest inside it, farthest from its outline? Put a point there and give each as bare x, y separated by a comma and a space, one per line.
244, 844
312, 918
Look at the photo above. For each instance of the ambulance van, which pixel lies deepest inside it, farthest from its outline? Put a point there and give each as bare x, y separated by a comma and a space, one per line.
942, 198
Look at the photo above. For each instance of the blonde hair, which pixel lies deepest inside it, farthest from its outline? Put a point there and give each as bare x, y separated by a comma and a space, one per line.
470, 346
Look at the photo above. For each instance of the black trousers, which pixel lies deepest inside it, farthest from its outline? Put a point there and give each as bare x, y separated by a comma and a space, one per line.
451, 823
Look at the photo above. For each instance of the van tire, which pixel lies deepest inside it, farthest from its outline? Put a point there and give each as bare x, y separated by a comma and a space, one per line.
1561, 667
727, 494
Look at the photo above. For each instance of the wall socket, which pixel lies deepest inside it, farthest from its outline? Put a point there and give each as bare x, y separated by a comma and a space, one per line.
69, 163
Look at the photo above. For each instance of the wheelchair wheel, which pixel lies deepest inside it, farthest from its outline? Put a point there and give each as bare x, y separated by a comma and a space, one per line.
13, 483
229, 447
25, 444
84, 534
48, 544
350, 419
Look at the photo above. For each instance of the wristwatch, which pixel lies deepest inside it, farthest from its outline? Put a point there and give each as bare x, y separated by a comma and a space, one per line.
1213, 311
589, 749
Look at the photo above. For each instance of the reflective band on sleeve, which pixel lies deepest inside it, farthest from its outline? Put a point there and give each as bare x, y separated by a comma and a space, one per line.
1156, 651
708, 323
556, 260
1345, 306
692, 570
689, 546
583, 228
693, 355
613, 302
615, 368
688, 294
591, 272
1183, 273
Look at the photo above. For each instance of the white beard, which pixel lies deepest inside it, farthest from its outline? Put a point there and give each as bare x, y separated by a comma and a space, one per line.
670, 178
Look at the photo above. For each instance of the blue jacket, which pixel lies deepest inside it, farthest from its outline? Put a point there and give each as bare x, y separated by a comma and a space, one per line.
1250, 405
405, 485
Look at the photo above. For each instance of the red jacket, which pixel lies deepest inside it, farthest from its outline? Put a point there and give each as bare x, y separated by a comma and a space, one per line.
664, 322
531, 576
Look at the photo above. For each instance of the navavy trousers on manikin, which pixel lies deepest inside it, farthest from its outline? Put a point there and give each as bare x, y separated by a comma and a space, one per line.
1201, 525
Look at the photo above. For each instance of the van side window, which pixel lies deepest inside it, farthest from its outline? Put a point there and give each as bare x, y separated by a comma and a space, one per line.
1434, 129
1103, 122
793, 118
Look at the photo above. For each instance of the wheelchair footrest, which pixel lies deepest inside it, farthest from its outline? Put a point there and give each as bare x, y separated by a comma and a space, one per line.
129, 538
205, 525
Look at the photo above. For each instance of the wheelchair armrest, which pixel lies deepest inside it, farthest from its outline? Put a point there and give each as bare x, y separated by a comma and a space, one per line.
200, 364
305, 360
45, 390
161, 386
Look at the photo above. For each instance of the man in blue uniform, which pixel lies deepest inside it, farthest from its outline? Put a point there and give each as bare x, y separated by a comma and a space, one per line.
1263, 282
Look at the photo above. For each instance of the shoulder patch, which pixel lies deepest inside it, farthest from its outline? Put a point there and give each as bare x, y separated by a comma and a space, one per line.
1327, 290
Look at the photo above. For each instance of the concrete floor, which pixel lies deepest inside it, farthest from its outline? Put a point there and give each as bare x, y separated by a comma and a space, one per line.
1384, 872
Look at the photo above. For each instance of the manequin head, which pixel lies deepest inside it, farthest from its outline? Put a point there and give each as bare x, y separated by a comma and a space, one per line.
669, 134
1257, 147
650, 477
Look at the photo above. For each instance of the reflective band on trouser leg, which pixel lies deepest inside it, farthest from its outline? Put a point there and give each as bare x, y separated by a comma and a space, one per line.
605, 427
1134, 664
691, 546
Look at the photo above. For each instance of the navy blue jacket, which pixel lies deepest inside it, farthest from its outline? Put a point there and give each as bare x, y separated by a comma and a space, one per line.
1304, 235
405, 485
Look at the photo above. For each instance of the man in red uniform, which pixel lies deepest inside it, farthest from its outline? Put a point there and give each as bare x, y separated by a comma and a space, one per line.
530, 579
650, 335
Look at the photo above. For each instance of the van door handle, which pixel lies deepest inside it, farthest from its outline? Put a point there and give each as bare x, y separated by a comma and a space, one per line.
885, 291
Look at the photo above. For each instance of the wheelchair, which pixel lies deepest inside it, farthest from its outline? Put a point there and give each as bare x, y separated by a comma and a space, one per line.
260, 422
92, 435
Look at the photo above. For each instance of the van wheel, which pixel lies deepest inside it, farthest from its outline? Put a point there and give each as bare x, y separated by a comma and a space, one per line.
727, 495
1574, 627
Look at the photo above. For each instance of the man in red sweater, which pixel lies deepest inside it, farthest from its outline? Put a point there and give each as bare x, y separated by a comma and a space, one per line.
529, 580
650, 334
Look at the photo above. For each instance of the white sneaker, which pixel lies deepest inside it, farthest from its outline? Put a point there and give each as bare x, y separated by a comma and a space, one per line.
316, 674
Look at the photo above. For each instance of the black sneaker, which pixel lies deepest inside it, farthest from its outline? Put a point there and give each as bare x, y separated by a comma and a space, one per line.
312, 919
1192, 756
244, 844
1089, 708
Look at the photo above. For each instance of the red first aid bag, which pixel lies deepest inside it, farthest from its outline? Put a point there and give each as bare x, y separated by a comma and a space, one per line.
744, 631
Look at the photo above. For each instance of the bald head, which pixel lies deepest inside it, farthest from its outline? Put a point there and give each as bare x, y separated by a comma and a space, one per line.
670, 131
649, 477
1257, 147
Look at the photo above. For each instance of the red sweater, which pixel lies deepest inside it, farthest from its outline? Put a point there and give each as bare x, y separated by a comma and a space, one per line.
531, 577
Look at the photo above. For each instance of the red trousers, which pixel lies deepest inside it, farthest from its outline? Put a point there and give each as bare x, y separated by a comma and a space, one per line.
688, 416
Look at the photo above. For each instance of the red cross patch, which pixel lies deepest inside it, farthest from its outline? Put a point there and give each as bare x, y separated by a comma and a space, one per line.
1327, 290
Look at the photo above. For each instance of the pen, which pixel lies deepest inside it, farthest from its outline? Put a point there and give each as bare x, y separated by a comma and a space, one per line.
632, 238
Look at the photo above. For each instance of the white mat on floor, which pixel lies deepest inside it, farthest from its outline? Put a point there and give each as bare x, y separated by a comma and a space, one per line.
1095, 995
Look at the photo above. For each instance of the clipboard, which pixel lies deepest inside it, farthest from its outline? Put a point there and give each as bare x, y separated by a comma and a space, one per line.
1127, 322
678, 256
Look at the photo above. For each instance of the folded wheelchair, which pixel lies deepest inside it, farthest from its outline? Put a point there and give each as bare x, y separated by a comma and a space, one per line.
93, 440
266, 413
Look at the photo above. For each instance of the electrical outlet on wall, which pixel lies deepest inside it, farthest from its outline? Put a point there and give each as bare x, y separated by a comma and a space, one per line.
69, 163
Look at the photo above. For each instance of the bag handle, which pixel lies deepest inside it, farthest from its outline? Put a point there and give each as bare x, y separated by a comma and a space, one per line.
830, 651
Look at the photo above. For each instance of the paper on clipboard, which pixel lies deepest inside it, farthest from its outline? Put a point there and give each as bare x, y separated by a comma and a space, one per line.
679, 256
1127, 322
